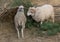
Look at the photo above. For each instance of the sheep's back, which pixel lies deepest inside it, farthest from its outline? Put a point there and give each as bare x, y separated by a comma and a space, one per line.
43, 12
20, 17
46, 11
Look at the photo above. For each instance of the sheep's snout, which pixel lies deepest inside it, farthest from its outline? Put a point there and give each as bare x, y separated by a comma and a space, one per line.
28, 14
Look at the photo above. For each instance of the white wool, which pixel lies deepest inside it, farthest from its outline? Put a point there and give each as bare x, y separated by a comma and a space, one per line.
20, 20
43, 13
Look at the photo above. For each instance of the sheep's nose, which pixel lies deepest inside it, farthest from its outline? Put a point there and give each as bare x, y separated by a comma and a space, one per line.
21, 8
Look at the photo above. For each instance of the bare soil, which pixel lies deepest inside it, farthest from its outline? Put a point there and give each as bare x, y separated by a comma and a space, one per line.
8, 34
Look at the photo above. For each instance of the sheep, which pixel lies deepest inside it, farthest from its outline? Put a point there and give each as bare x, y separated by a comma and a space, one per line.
20, 20
41, 13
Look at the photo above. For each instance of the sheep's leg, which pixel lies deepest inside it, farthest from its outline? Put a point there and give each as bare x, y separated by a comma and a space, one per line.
22, 30
41, 22
52, 18
18, 32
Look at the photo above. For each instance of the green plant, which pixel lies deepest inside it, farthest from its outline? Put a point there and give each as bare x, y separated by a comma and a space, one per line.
51, 28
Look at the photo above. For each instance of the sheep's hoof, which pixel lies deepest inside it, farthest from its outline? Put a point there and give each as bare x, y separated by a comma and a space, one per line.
22, 37
18, 37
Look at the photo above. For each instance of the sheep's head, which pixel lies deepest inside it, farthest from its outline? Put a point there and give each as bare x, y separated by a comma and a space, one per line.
21, 8
31, 11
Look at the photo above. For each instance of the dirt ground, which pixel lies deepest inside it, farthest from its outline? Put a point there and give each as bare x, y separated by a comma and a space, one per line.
8, 34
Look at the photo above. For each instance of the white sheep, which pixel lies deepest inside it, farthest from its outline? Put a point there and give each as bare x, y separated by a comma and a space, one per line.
20, 20
42, 13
